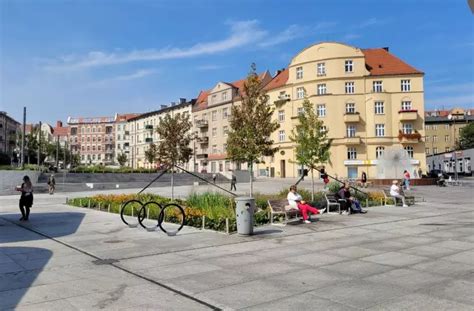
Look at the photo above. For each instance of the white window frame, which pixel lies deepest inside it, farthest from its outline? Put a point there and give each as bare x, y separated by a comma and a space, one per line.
379, 130
214, 115
350, 108
300, 93
379, 107
321, 69
407, 128
225, 130
281, 136
379, 152
281, 115
299, 72
410, 151
351, 153
348, 66
323, 129
321, 110
351, 130
299, 111
322, 90
406, 105
214, 131
405, 85
377, 86
349, 87
224, 113
224, 96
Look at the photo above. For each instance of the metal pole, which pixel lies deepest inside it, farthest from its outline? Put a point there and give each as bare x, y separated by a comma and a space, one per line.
39, 144
57, 151
23, 139
455, 156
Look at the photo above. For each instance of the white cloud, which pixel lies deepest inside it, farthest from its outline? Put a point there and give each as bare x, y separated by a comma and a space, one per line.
290, 33
242, 33
127, 77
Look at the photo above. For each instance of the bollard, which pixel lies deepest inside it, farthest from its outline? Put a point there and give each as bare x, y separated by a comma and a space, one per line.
203, 222
132, 211
108, 209
89, 205
66, 200
99, 206
367, 202
227, 225
80, 202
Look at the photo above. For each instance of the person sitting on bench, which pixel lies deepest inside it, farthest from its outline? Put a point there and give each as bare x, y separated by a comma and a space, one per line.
296, 201
352, 204
395, 193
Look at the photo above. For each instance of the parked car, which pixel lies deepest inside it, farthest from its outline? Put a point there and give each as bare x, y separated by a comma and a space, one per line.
435, 174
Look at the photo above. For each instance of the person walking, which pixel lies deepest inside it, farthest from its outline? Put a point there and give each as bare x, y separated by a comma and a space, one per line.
51, 184
214, 177
26, 198
233, 182
420, 173
406, 180
295, 200
363, 180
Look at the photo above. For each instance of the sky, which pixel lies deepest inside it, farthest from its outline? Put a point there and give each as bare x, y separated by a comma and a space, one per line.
96, 58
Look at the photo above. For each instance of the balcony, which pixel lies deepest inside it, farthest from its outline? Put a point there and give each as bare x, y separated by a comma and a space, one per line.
148, 127
352, 140
148, 140
282, 99
408, 115
351, 117
411, 138
201, 156
202, 123
203, 139
127, 132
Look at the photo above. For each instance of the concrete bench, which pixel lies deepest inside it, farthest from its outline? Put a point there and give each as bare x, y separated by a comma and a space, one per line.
281, 207
409, 199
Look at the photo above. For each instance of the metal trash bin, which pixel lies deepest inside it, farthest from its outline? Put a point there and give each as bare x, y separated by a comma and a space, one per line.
245, 207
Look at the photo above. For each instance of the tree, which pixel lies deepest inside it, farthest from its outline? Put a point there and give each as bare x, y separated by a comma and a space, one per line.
151, 154
466, 137
251, 126
122, 159
312, 142
173, 148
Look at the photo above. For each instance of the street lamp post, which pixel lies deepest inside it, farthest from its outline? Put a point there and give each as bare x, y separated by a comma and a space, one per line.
451, 117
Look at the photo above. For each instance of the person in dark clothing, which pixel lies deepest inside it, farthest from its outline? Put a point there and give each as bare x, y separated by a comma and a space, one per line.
351, 203
233, 182
51, 184
364, 180
26, 198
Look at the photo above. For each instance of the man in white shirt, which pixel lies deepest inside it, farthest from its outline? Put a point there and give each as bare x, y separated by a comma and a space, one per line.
395, 193
296, 201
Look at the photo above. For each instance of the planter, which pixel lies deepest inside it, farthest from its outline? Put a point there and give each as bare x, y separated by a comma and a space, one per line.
245, 207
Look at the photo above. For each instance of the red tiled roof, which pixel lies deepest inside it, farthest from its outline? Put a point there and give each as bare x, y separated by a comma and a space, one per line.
61, 131
126, 116
201, 101
381, 62
278, 81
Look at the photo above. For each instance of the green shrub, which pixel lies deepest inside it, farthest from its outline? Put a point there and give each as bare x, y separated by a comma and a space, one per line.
334, 186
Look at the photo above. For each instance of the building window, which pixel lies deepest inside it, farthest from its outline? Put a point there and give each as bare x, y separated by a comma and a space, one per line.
323, 129
379, 108
300, 92
427, 151
351, 131
224, 148
435, 138
348, 66
321, 110
224, 113
407, 128
321, 89
224, 96
406, 105
446, 149
405, 86
300, 111
214, 132
299, 72
434, 127
377, 86
349, 87
435, 150
379, 151
427, 127
321, 69
214, 115
409, 150
351, 153
281, 136
226, 130
281, 115
446, 126
350, 108
446, 138
214, 149
380, 130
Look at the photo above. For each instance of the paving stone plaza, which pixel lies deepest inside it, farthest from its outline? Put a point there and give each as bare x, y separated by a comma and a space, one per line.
392, 258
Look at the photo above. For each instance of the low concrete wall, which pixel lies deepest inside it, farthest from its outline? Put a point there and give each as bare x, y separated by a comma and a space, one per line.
10, 179
413, 182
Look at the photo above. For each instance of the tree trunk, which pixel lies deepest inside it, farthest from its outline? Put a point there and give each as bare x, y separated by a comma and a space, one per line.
312, 185
251, 179
172, 183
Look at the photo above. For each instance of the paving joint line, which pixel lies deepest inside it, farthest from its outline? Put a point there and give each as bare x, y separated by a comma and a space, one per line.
179, 292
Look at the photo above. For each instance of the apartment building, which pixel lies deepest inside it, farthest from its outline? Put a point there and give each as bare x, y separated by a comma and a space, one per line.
142, 131
122, 136
369, 100
93, 139
442, 131
9, 129
211, 114
61, 134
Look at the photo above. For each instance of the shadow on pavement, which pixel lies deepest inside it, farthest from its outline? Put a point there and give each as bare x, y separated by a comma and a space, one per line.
21, 266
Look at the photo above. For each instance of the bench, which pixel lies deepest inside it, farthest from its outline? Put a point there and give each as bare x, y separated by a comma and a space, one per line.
409, 199
281, 207
331, 200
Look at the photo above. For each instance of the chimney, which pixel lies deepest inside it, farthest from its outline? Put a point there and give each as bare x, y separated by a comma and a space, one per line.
163, 106
182, 100
59, 123
277, 72
386, 48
